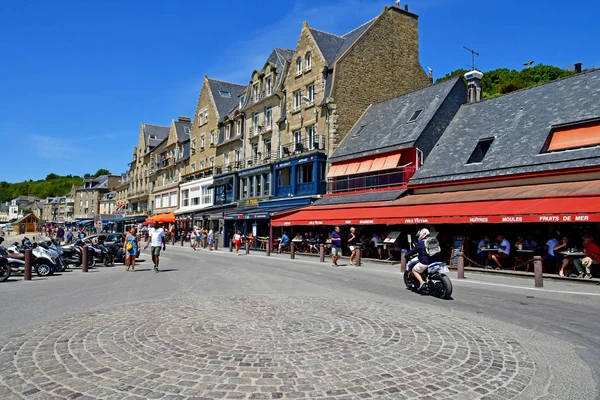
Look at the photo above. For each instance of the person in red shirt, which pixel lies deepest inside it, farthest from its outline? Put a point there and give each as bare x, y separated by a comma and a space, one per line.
593, 253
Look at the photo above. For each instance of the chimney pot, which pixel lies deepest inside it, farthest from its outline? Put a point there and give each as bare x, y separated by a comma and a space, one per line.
578, 68
474, 86
406, 7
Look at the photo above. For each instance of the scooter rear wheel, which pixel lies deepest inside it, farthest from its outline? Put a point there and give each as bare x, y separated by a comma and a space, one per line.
5, 272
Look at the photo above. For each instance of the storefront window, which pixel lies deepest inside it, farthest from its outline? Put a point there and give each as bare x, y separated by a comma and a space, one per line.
267, 186
283, 177
305, 173
244, 188
185, 198
206, 195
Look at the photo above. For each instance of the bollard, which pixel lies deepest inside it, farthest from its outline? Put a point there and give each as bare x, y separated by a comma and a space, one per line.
247, 247
292, 251
182, 239
322, 252
268, 247
538, 268
84, 258
27, 274
402, 262
358, 256
216, 241
461, 265
231, 245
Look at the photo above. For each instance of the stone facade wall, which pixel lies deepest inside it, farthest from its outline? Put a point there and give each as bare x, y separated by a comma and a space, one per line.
205, 101
308, 115
382, 64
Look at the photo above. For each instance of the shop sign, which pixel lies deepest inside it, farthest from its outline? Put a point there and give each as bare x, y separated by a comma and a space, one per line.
255, 171
295, 162
498, 219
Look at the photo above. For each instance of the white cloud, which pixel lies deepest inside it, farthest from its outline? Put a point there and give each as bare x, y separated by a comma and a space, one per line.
59, 148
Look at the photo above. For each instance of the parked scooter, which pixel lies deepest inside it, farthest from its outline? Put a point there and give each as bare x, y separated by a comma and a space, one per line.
73, 254
42, 261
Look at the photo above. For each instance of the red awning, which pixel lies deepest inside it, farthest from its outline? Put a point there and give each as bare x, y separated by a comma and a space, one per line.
565, 209
362, 167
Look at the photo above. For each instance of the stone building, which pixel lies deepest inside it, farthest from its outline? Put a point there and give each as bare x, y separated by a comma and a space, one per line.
108, 203
143, 166
172, 163
88, 195
122, 192
217, 99
333, 79
20, 204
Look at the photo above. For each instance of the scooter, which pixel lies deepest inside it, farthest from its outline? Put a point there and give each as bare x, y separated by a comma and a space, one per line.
73, 254
42, 261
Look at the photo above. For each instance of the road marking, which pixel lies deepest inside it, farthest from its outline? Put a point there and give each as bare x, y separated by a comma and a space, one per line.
527, 288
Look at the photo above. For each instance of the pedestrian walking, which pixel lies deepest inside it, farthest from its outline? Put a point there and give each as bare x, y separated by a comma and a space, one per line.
211, 238
336, 246
193, 237
237, 241
156, 236
352, 245
130, 248
69, 237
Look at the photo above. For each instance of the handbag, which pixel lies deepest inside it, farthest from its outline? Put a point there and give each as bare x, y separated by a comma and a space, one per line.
129, 246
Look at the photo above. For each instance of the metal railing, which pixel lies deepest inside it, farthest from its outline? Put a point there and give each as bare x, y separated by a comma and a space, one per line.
373, 180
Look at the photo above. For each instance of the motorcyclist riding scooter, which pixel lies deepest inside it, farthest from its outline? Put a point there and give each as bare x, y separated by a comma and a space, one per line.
423, 256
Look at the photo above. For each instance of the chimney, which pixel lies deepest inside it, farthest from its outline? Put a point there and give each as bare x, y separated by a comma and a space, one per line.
406, 7
398, 3
473, 86
578, 68
185, 120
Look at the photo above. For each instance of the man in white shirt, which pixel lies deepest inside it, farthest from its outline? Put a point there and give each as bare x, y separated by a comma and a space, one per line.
503, 250
156, 236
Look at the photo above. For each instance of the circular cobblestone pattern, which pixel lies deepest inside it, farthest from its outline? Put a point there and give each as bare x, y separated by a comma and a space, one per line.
263, 348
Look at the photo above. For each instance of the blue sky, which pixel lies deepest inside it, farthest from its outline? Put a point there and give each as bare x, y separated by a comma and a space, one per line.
78, 77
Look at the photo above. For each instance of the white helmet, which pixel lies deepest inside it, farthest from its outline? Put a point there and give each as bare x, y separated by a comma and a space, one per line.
423, 233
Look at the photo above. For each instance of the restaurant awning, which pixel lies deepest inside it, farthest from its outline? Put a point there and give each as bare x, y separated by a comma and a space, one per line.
259, 212
380, 163
161, 218
564, 209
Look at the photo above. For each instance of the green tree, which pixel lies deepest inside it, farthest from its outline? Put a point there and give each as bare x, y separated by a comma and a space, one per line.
50, 177
101, 171
453, 74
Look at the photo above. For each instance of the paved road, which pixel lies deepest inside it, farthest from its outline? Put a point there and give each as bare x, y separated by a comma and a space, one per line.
220, 326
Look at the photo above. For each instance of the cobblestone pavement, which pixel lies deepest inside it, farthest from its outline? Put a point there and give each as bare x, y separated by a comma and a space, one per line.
264, 348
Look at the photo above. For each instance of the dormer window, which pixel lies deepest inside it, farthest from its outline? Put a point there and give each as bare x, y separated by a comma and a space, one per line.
299, 66
255, 93
242, 101
224, 93
227, 132
269, 85
480, 151
308, 61
187, 130
415, 116
573, 137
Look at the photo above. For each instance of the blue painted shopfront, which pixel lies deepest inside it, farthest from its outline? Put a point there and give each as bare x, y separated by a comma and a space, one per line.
301, 176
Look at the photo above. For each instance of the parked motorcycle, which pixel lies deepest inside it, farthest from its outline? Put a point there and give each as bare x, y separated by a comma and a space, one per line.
5, 269
436, 281
42, 261
73, 254
56, 254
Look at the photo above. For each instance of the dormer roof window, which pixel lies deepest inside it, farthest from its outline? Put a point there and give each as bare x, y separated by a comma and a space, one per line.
573, 137
415, 116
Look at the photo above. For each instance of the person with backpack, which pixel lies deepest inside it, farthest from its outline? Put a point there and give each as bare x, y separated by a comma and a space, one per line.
427, 249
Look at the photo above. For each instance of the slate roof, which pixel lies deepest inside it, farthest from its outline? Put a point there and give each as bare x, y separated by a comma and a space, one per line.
384, 127
160, 132
520, 123
100, 182
378, 196
225, 104
180, 128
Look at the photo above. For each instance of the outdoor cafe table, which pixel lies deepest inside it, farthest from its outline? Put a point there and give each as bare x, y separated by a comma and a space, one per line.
523, 253
489, 249
576, 254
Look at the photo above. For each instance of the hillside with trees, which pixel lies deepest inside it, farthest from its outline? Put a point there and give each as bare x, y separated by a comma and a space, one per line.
54, 185
497, 82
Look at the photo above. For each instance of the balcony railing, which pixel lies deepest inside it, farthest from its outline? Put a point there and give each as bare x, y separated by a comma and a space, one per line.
316, 142
373, 180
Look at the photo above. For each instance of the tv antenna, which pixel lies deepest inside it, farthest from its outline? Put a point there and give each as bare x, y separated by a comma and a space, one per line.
473, 54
